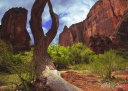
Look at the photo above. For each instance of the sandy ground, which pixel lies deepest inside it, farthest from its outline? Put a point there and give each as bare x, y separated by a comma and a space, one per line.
92, 83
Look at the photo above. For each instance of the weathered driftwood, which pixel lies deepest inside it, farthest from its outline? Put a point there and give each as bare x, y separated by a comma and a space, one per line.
56, 82
48, 78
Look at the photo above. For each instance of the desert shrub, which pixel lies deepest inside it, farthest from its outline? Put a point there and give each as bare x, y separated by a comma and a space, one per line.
60, 56
85, 55
19, 64
80, 67
75, 52
81, 53
63, 57
6, 57
25, 70
105, 64
123, 52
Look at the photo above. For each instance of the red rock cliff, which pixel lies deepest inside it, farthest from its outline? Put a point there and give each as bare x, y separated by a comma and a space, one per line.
103, 19
13, 29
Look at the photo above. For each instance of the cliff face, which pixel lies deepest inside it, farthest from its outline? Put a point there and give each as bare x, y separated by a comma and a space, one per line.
72, 34
123, 28
13, 29
67, 40
103, 19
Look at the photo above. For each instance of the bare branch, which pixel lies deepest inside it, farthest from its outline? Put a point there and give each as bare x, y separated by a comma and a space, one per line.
36, 20
46, 74
55, 24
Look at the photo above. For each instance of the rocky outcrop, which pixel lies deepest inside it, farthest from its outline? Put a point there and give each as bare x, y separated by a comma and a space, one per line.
67, 40
13, 29
72, 34
103, 19
123, 30
100, 44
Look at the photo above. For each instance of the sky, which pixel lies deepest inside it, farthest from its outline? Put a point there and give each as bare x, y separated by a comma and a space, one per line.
69, 11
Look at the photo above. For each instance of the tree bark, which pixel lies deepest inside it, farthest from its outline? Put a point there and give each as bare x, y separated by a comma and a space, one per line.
47, 77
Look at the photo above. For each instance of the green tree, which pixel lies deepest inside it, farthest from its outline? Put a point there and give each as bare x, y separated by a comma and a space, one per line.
86, 54
63, 57
75, 51
60, 56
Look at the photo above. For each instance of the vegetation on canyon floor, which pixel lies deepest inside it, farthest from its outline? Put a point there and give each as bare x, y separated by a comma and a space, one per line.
17, 69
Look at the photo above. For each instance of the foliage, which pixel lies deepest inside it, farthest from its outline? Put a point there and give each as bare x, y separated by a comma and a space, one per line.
59, 55
78, 56
70, 55
81, 68
6, 57
19, 64
105, 64
25, 71
85, 55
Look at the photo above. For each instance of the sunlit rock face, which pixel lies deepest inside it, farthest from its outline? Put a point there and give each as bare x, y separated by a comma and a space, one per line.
13, 29
104, 18
71, 35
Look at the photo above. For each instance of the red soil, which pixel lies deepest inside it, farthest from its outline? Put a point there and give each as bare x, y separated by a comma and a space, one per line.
90, 82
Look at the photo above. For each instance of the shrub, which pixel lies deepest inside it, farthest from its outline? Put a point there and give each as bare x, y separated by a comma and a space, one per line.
105, 64
60, 56
75, 52
19, 64
71, 55
85, 55
6, 57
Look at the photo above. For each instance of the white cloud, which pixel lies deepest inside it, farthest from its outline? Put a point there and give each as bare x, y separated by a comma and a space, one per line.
31, 36
75, 10
45, 30
29, 30
69, 11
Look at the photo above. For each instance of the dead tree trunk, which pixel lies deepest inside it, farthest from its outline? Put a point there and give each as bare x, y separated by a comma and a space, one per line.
46, 73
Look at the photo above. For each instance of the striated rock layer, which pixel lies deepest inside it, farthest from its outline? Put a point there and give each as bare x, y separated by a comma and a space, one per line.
106, 18
13, 29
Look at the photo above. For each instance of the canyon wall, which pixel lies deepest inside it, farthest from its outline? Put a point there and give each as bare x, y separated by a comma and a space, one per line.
13, 29
105, 18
